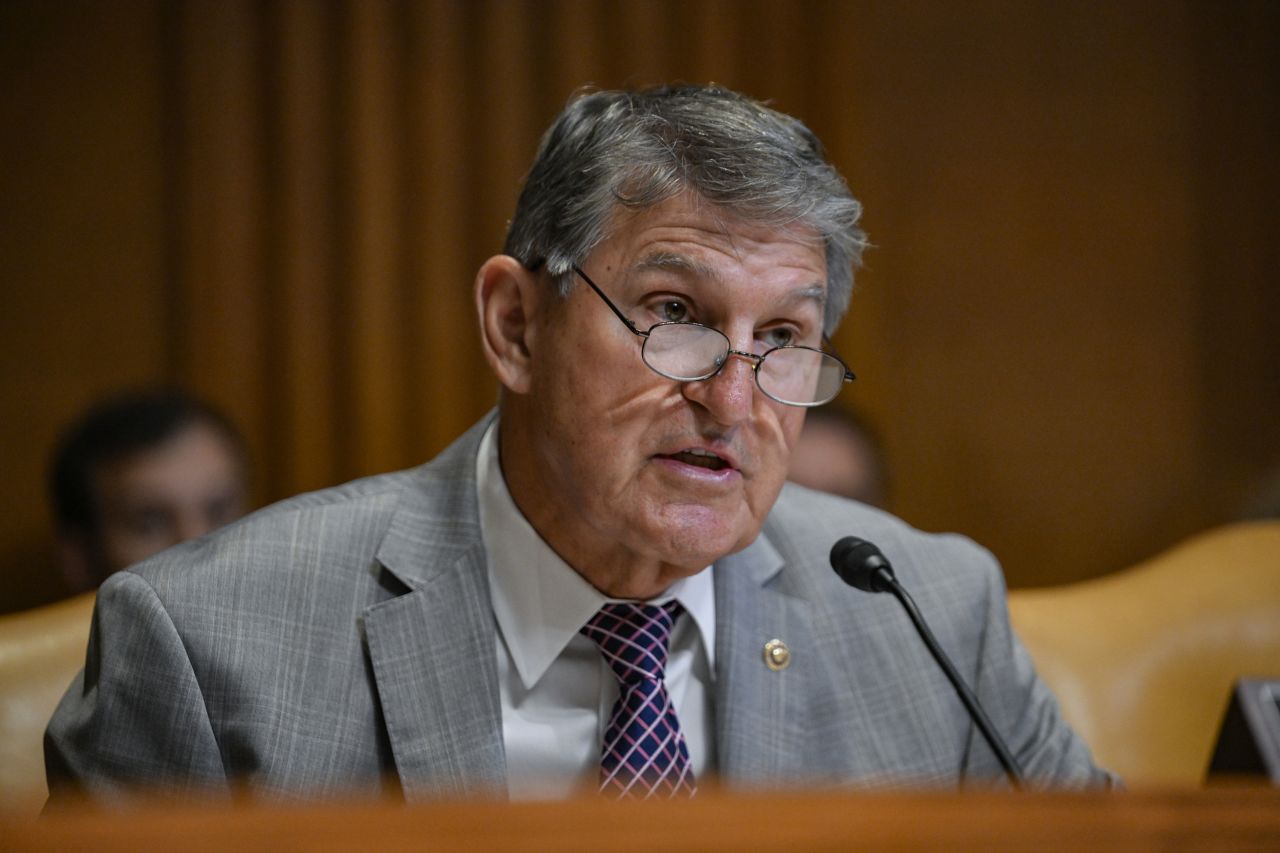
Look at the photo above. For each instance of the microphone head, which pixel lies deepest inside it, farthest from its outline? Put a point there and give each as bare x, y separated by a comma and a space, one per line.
860, 564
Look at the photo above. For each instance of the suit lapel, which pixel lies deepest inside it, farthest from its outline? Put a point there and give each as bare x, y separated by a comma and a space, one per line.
761, 713
433, 662
432, 649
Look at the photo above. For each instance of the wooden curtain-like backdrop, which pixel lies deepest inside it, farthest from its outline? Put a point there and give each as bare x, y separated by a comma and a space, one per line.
1068, 329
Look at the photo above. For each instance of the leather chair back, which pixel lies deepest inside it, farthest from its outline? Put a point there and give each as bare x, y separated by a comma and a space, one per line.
41, 650
1143, 661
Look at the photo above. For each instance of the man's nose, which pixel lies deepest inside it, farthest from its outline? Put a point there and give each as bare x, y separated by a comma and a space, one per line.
728, 396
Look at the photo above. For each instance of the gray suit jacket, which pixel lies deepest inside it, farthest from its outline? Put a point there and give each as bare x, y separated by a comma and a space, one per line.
343, 641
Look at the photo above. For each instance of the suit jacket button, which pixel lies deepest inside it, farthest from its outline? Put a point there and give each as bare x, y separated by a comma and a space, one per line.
776, 655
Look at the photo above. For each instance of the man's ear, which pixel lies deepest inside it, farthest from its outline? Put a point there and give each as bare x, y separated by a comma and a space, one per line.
506, 299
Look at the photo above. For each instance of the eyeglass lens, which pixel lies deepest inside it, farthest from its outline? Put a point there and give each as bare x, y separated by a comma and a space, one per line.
685, 352
689, 352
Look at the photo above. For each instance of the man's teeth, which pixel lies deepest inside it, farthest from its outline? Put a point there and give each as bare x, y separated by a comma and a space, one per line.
701, 458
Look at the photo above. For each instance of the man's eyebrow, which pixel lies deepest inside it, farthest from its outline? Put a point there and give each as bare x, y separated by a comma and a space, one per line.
671, 262
815, 292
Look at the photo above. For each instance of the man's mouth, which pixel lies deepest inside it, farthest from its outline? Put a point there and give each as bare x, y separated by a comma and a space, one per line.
700, 458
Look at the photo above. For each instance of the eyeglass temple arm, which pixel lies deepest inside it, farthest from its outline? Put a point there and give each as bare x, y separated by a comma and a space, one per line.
849, 375
607, 301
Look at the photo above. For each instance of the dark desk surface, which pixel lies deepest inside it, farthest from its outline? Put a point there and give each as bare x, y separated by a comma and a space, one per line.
1235, 818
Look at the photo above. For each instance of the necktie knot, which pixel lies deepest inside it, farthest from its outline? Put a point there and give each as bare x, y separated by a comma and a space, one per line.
634, 638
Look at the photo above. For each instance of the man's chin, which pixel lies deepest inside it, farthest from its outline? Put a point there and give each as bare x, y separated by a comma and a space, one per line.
695, 537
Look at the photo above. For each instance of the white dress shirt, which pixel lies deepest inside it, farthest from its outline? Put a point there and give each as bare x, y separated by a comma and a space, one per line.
556, 690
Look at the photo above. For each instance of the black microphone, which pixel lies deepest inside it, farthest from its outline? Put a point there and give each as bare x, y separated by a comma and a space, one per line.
860, 564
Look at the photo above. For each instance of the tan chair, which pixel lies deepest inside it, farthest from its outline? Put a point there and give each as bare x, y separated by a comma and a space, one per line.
41, 650
1143, 661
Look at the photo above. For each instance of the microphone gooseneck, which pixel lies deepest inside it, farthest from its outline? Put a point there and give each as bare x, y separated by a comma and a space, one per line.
860, 564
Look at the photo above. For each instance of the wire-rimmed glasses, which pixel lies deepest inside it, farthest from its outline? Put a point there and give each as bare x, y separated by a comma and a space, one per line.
690, 352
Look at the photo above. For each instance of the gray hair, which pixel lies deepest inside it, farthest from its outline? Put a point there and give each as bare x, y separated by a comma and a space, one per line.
638, 149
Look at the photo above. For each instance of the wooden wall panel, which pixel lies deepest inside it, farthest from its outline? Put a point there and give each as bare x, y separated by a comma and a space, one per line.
220, 282
375, 370
1033, 245
302, 427
1066, 328
82, 303
450, 383
1235, 178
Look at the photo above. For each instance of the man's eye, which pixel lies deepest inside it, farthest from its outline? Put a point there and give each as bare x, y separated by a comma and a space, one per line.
781, 337
674, 312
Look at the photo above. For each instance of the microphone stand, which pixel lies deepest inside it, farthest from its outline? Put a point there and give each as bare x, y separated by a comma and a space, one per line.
885, 580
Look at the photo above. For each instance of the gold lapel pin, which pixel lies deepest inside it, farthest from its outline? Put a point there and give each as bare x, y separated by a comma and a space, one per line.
776, 655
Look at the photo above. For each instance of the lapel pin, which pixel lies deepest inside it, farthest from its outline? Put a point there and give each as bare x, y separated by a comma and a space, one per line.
776, 655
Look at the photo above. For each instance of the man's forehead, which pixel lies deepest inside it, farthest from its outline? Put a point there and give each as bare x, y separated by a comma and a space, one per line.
692, 241
691, 211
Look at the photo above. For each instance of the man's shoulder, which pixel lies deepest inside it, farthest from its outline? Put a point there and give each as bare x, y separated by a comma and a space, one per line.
955, 583
331, 515
336, 536
319, 533
805, 524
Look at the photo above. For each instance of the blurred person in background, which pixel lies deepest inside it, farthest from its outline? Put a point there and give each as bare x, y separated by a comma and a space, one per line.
840, 453
138, 472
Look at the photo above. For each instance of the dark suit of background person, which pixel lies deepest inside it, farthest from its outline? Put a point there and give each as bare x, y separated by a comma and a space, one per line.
352, 639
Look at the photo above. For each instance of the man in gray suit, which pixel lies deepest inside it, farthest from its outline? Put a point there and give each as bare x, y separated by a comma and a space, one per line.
604, 584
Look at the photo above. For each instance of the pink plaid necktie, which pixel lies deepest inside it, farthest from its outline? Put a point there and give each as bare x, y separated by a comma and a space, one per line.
644, 754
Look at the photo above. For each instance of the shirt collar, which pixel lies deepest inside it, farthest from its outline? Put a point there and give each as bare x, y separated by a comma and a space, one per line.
539, 601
